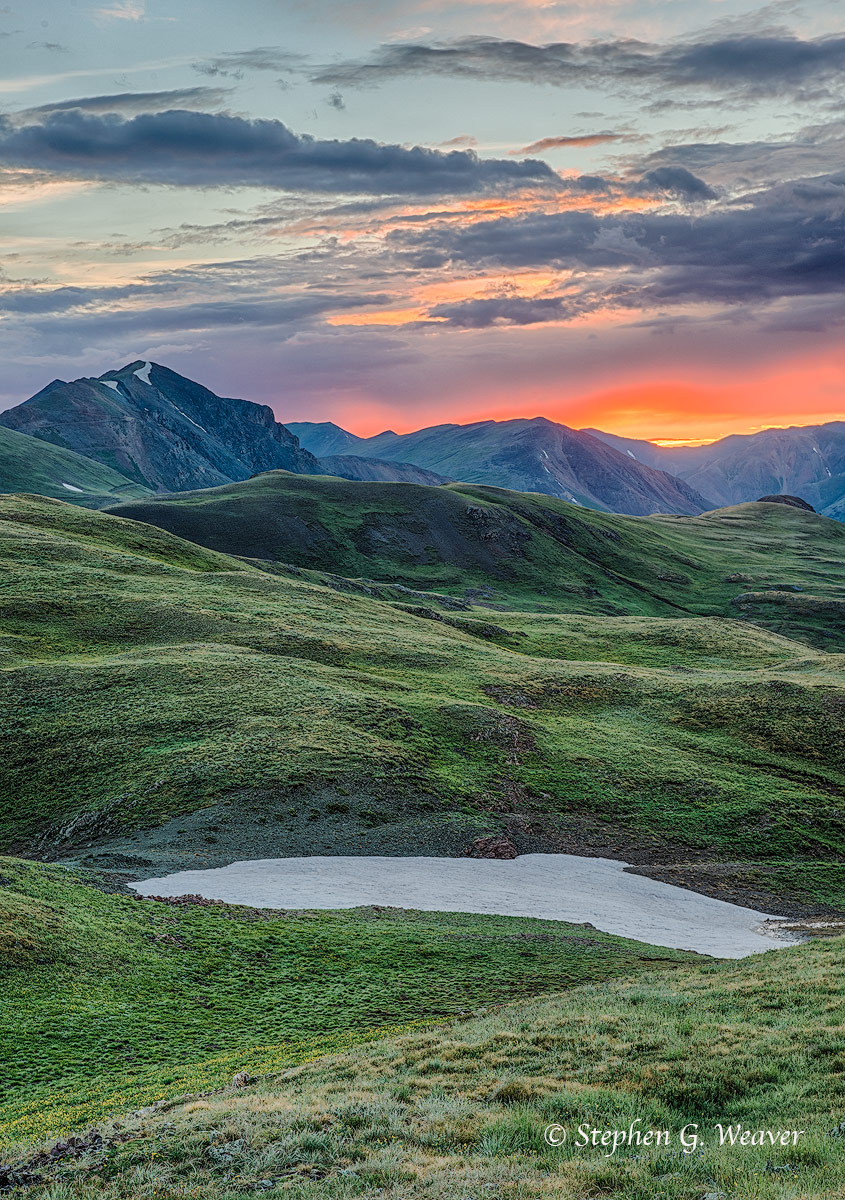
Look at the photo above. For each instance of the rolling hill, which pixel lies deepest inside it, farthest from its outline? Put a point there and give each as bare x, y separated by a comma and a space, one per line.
766, 562
523, 455
28, 464
166, 705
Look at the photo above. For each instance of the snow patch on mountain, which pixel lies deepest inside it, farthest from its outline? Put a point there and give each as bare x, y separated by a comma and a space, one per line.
143, 373
187, 418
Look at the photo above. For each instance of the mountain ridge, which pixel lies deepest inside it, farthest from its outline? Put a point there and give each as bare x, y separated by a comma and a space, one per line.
529, 455
803, 460
160, 429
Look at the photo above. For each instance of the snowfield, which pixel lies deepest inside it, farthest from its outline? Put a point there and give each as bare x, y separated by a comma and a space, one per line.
558, 887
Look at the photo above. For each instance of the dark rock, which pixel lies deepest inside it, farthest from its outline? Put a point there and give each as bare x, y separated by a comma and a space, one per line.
17, 1177
792, 501
497, 846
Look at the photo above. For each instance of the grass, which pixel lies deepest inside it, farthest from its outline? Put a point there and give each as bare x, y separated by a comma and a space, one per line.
165, 703
28, 464
526, 550
460, 1110
149, 679
110, 1001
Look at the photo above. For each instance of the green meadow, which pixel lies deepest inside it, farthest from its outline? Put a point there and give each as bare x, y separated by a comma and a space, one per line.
653, 689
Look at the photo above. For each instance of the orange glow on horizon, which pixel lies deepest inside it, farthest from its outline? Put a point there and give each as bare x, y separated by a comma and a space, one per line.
802, 392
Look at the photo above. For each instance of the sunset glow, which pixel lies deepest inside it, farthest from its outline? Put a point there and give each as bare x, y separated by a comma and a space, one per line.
607, 215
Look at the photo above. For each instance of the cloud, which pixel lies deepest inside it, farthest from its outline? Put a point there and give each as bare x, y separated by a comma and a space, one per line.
774, 247
183, 148
771, 64
462, 140
123, 10
561, 143
130, 103
486, 311
138, 308
812, 151
677, 181
262, 58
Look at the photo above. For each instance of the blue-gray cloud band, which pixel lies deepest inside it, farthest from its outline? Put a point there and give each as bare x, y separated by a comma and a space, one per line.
771, 65
192, 149
788, 244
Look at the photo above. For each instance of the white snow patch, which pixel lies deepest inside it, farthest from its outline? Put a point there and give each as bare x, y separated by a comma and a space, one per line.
631, 454
553, 887
143, 373
70, 487
110, 383
187, 418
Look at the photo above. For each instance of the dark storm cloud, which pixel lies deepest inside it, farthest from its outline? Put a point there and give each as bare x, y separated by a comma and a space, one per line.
767, 65
676, 181
184, 148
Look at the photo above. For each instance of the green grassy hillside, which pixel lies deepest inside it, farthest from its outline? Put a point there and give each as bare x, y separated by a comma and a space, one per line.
110, 1001
28, 464
764, 562
460, 1110
164, 705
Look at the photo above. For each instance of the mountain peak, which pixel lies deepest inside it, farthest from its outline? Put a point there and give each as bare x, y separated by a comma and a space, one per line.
160, 429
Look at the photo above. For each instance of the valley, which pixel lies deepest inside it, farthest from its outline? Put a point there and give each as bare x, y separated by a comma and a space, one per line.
400, 671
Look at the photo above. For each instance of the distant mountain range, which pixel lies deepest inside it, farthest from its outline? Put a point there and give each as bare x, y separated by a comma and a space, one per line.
805, 460
525, 456
146, 429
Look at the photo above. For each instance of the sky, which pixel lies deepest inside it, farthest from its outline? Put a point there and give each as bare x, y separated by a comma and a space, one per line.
622, 214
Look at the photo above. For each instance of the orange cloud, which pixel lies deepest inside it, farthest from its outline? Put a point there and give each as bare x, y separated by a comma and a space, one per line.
561, 143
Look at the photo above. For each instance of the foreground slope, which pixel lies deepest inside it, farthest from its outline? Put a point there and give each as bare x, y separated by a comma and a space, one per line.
165, 705
28, 464
535, 455
460, 1110
159, 429
765, 562
109, 999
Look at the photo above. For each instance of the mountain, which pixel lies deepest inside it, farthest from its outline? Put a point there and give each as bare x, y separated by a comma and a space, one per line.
159, 429
352, 466
28, 464
522, 455
803, 460
324, 438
